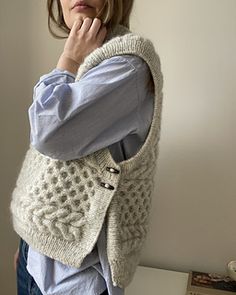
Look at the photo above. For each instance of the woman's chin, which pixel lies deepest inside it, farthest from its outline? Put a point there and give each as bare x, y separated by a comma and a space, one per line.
83, 16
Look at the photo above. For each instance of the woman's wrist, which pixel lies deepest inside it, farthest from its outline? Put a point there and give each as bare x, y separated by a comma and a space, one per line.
66, 63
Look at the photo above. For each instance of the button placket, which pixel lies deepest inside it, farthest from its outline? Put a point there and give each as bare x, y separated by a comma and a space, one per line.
112, 170
107, 185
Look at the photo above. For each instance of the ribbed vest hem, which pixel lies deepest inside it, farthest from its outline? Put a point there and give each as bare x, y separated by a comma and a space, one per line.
123, 269
67, 252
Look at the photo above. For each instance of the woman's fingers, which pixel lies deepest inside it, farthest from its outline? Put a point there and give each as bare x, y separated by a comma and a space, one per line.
76, 25
85, 36
90, 26
95, 27
86, 25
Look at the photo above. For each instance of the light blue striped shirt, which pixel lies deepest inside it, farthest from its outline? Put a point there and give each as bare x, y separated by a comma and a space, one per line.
110, 106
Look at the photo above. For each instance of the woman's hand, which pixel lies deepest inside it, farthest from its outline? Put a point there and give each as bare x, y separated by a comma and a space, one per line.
84, 37
16, 257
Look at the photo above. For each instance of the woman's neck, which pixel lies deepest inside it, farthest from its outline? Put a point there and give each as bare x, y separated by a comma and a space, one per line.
118, 30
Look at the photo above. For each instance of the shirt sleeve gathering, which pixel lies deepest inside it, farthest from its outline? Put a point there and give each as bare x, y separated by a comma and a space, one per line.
70, 119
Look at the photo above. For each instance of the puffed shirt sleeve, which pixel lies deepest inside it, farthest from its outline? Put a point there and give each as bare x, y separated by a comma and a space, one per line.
70, 119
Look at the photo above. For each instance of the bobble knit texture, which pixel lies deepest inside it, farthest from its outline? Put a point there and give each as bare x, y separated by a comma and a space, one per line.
58, 207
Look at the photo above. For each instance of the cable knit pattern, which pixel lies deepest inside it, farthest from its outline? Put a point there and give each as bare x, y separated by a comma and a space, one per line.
58, 207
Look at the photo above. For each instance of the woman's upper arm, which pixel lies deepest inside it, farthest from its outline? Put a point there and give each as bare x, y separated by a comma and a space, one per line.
71, 120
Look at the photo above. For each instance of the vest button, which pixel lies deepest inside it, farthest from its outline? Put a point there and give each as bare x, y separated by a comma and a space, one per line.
112, 170
107, 185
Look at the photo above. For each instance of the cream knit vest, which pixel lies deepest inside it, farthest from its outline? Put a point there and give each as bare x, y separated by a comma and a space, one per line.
58, 207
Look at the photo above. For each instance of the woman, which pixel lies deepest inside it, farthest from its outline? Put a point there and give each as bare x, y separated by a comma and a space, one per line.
92, 100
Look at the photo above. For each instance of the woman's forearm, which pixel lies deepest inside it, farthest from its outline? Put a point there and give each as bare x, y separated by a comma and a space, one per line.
66, 63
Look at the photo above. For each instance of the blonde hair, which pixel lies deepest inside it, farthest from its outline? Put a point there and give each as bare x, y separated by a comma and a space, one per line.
114, 12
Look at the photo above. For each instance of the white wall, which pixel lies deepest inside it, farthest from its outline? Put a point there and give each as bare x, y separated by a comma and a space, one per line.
194, 207
45, 50
15, 90
194, 201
